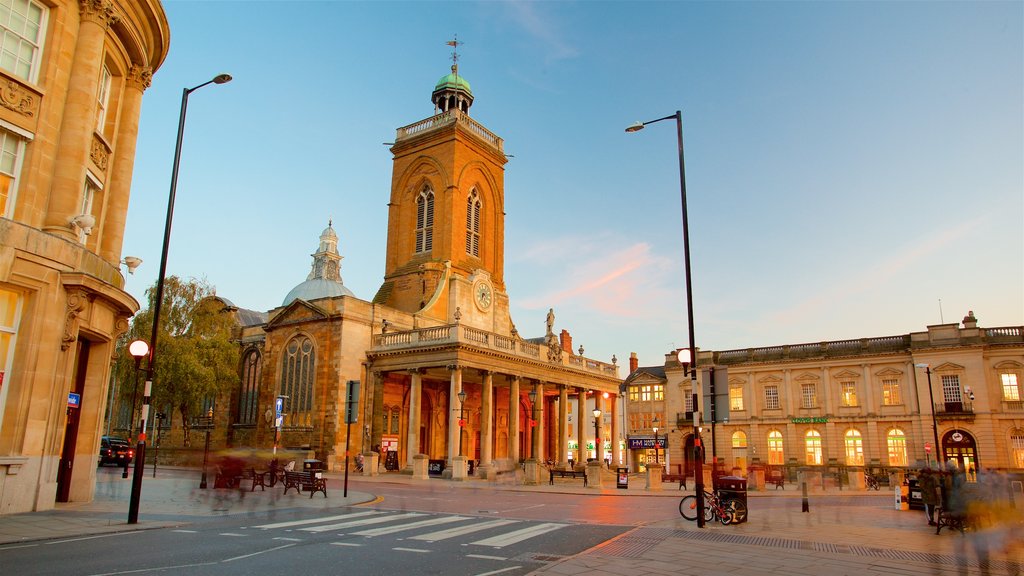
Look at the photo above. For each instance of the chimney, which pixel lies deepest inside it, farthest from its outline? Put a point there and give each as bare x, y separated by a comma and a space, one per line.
634, 362
566, 341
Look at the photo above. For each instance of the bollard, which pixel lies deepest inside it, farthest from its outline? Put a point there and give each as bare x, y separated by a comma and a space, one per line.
805, 505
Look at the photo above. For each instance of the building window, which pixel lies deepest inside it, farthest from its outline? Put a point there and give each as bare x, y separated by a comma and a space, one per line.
473, 224
22, 24
951, 389
896, 441
739, 439
395, 420
88, 195
771, 397
775, 453
1011, 392
10, 315
688, 401
808, 396
736, 398
1017, 447
102, 100
11, 148
659, 392
854, 448
849, 393
891, 395
298, 369
812, 441
645, 393
248, 396
634, 393
425, 221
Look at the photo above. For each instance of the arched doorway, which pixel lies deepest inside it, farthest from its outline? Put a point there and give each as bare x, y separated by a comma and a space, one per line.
960, 449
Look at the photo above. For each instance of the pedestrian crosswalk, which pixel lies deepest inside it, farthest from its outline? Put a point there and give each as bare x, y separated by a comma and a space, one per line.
421, 526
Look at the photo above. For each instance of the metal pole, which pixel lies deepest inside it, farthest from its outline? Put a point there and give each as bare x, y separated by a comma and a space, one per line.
131, 419
348, 436
935, 423
206, 454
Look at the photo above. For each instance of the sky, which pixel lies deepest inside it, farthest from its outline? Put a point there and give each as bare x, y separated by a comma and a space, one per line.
853, 169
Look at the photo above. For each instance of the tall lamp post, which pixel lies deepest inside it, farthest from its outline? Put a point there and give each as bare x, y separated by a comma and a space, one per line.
140, 451
138, 349
206, 449
655, 426
462, 417
931, 403
597, 435
698, 470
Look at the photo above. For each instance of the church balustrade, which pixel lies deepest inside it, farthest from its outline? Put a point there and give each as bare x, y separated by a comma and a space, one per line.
446, 119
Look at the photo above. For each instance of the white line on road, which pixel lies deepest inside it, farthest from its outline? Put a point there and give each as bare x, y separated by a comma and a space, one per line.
316, 520
461, 530
258, 553
232, 534
417, 550
353, 544
485, 557
283, 539
94, 537
509, 569
365, 521
519, 535
185, 531
410, 526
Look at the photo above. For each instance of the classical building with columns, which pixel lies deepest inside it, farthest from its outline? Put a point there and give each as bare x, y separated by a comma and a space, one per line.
73, 75
447, 383
952, 391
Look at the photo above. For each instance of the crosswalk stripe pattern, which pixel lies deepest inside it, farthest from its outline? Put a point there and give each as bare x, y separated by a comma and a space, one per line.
519, 535
410, 526
461, 530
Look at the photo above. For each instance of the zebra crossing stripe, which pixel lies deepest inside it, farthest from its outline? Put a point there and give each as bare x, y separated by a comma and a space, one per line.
317, 520
410, 526
519, 535
461, 530
363, 522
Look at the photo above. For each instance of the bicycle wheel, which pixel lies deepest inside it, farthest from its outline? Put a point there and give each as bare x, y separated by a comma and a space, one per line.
735, 512
688, 507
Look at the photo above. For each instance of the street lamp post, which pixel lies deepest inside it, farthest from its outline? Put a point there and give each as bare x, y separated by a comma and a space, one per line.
655, 423
140, 452
931, 403
206, 450
462, 416
698, 470
597, 435
532, 424
138, 349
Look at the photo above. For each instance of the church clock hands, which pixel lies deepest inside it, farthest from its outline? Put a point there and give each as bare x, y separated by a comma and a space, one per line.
482, 295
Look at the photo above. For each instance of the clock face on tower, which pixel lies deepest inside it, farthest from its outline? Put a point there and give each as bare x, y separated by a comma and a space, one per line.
482, 295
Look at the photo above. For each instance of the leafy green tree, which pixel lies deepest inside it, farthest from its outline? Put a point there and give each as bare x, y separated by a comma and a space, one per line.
196, 355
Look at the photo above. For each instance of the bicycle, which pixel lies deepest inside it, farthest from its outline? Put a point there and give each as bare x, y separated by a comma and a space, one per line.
725, 511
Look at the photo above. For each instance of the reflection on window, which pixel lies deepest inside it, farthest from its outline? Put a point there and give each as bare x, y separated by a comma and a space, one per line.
891, 395
854, 448
775, 454
849, 393
896, 441
736, 398
812, 441
1017, 447
1011, 391
739, 439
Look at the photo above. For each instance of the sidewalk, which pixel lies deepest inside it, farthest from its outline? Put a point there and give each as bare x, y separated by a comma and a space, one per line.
840, 534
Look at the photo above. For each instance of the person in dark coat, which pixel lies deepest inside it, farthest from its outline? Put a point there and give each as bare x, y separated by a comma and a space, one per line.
929, 484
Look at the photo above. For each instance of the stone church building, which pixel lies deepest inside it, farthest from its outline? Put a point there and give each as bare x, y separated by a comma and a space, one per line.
445, 377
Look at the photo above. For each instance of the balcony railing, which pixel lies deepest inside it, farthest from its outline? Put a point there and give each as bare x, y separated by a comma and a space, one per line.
954, 408
1013, 405
448, 118
460, 334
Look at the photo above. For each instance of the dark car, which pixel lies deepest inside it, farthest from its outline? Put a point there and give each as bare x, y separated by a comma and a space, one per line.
115, 451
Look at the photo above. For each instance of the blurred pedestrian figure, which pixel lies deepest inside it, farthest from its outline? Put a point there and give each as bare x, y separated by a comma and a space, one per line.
928, 481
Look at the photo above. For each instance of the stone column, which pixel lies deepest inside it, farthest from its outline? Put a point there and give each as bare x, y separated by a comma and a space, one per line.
614, 405
412, 447
486, 424
79, 120
513, 419
581, 426
120, 181
563, 426
533, 468
457, 462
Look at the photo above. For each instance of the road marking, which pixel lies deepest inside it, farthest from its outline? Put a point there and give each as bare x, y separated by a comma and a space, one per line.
461, 530
94, 537
283, 539
364, 522
185, 531
316, 520
258, 553
417, 550
486, 557
353, 544
509, 569
410, 526
232, 534
519, 535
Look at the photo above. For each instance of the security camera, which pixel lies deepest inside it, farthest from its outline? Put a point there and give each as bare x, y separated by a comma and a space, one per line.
132, 262
84, 222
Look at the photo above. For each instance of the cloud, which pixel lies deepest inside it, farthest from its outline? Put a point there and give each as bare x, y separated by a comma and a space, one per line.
542, 28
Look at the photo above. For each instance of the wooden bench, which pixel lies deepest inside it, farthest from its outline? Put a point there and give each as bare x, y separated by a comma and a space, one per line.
305, 481
552, 472
779, 480
681, 478
951, 520
258, 478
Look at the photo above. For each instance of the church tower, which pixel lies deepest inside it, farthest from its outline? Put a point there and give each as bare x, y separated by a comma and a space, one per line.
446, 217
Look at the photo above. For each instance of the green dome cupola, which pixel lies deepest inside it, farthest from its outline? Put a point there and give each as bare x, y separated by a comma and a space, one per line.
452, 92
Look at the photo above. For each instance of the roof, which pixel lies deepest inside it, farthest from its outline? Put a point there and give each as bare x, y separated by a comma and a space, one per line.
316, 288
453, 81
654, 371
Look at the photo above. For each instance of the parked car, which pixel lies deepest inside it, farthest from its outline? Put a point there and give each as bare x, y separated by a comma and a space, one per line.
115, 451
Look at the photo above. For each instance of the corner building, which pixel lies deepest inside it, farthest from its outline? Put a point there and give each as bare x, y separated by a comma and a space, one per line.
437, 330
73, 76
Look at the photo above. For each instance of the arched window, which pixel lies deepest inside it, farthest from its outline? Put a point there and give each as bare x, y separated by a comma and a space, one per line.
297, 370
854, 448
739, 439
1017, 448
896, 441
248, 394
473, 224
812, 441
425, 220
775, 454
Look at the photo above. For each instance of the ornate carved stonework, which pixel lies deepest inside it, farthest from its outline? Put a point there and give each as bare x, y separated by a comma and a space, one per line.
99, 153
99, 11
120, 327
14, 96
77, 300
554, 349
140, 77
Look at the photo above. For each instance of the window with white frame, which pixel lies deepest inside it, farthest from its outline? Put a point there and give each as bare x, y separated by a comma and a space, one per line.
736, 398
473, 224
854, 448
771, 397
1011, 391
848, 393
10, 316
659, 392
22, 31
808, 396
425, 221
645, 393
951, 393
812, 442
102, 99
88, 195
775, 452
11, 153
891, 394
1017, 447
688, 401
896, 442
739, 439
634, 393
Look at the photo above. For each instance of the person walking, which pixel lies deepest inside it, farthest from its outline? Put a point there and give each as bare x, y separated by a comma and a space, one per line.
928, 482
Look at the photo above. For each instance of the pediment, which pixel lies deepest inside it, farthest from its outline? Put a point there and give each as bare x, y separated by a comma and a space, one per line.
889, 373
645, 378
846, 374
808, 377
770, 379
297, 311
948, 367
1008, 365
737, 381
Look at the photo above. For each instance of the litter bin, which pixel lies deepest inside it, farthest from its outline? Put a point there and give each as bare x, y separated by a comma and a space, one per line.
733, 488
622, 478
314, 466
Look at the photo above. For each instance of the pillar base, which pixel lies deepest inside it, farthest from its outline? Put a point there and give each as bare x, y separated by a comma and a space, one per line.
533, 473
594, 474
370, 462
654, 477
419, 466
460, 468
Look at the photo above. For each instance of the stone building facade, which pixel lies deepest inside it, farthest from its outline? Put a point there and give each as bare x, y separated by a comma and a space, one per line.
866, 403
73, 74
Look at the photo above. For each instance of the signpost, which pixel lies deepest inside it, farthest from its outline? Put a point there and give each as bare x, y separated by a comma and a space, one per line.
351, 416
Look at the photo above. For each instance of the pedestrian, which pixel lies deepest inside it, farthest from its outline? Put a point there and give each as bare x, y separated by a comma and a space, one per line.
928, 482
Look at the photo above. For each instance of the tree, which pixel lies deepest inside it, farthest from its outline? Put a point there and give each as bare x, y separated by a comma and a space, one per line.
196, 355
